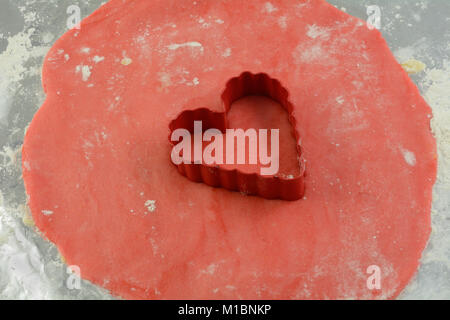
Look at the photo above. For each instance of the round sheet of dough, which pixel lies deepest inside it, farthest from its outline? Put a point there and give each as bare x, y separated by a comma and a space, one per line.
96, 158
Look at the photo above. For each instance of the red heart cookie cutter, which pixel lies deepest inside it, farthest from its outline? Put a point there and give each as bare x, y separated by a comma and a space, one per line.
269, 187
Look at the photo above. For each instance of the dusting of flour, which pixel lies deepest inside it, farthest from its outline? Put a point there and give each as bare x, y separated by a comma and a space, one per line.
32, 268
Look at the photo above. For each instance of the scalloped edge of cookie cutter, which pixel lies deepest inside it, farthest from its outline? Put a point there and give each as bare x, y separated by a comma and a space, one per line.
268, 187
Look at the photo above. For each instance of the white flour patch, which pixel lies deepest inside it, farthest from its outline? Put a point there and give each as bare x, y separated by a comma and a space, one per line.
192, 44
98, 59
227, 53
165, 79
438, 96
30, 267
358, 84
47, 37
340, 100
9, 157
409, 52
317, 32
5, 101
12, 68
409, 157
47, 212
269, 7
282, 22
151, 205
312, 53
126, 61
211, 269
84, 70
